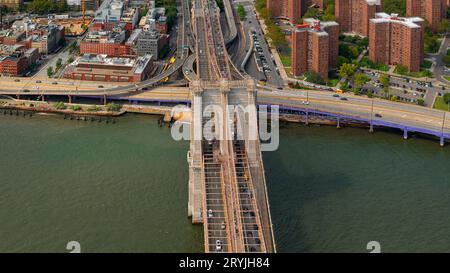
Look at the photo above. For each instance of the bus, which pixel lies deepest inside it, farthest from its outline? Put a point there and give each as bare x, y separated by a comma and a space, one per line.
339, 91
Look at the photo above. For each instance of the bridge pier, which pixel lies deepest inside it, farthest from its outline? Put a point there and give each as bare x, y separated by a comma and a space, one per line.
307, 117
338, 123
70, 98
405, 134
442, 141
371, 128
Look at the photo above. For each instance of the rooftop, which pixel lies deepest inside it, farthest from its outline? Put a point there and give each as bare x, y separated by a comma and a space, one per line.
316, 26
410, 22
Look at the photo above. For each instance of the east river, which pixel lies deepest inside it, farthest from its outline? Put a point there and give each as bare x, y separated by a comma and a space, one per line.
123, 188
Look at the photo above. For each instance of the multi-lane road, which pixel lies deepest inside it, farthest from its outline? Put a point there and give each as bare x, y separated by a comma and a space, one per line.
252, 24
353, 106
42, 84
360, 107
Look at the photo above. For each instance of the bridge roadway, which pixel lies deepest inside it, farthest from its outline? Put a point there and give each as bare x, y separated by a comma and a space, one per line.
227, 190
399, 114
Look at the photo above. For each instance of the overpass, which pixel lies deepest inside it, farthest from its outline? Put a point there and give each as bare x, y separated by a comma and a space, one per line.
227, 190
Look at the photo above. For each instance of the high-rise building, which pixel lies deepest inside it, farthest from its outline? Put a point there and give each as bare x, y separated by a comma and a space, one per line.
395, 40
314, 47
292, 10
354, 15
431, 10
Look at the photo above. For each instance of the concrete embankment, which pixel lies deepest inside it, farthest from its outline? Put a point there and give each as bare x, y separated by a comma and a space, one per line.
84, 109
47, 107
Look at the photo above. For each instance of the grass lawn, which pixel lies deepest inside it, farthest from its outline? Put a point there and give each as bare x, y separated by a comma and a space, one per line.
440, 104
366, 62
332, 82
447, 78
421, 74
285, 57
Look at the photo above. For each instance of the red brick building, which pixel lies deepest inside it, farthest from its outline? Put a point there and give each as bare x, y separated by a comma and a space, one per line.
110, 43
103, 68
13, 65
110, 49
291, 10
314, 47
354, 15
394, 40
431, 10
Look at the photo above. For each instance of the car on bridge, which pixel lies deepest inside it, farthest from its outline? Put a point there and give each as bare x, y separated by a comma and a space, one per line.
218, 245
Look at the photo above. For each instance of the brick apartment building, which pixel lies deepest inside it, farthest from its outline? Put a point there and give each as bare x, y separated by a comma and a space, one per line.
395, 40
314, 47
354, 15
431, 10
291, 10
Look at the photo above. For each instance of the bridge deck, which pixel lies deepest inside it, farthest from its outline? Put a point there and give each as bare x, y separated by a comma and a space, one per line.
231, 219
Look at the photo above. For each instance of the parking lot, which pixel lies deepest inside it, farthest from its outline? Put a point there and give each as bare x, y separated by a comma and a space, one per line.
405, 89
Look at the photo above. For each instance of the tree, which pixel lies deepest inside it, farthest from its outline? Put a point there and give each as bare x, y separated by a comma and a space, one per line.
70, 60
401, 69
447, 98
347, 70
62, 6
314, 78
444, 26
59, 106
446, 60
41, 6
421, 102
312, 12
385, 81
75, 108
394, 6
113, 107
50, 71
427, 73
241, 12
329, 12
342, 60
360, 80
348, 51
58, 63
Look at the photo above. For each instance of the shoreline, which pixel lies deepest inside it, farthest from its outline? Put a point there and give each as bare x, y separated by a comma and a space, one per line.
165, 113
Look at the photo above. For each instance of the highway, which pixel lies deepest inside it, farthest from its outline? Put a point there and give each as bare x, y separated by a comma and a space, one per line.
354, 106
360, 107
42, 84
252, 24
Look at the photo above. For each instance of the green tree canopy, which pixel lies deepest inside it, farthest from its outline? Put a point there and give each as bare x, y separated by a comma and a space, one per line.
347, 70
447, 98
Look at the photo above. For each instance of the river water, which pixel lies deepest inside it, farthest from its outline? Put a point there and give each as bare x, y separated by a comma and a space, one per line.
123, 188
